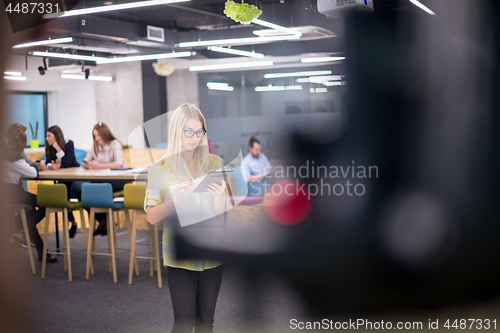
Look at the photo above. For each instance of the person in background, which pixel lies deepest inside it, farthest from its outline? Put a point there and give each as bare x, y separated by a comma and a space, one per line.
106, 153
255, 166
16, 166
61, 154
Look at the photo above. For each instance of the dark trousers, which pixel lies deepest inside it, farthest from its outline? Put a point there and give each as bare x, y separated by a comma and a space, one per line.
194, 295
19, 196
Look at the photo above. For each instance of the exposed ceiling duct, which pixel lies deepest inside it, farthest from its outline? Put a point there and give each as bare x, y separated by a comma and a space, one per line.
124, 32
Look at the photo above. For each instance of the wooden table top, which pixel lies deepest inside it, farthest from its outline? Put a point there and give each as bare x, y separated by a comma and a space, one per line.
79, 173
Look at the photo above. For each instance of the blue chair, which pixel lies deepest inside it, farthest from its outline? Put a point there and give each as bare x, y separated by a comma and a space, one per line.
80, 155
99, 197
239, 186
21, 209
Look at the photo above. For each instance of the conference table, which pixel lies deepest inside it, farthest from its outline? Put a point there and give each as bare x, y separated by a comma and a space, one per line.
91, 175
94, 175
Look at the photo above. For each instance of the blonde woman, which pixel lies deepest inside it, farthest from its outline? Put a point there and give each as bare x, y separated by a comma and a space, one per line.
194, 284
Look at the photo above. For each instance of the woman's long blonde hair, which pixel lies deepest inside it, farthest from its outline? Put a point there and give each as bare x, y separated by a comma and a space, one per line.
174, 149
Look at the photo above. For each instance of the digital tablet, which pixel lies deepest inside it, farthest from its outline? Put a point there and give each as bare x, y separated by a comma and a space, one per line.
213, 177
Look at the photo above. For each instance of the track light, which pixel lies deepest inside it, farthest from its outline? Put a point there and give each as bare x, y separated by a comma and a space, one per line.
43, 68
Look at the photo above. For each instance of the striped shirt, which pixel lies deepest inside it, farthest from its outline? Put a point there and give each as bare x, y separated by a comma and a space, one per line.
161, 184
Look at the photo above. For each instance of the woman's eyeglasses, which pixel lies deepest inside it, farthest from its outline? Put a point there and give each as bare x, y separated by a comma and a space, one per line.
190, 133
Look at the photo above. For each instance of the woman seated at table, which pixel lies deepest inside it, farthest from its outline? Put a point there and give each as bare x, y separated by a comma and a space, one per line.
106, 153
16, 166
61, 154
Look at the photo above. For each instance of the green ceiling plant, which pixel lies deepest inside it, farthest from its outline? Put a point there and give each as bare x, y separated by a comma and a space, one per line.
241, 12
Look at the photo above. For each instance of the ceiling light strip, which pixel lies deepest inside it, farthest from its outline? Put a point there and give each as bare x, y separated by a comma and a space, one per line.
45, 42
421, 6
146, 57
82, 77
228, 88
217, 84
276, 27
102, 60
278, 75
15, 78
231, 66
68, 56
13, 73
236, 52
321, 59
277, 88
320, 78
101, 9
238, 41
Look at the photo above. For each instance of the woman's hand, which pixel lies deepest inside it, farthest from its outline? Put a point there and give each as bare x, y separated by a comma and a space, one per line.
56, 146
92, 165
55, 166
217, 190
41, 166
181, 191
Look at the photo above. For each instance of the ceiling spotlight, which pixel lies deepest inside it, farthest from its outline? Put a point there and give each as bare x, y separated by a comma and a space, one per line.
43, 68
87, 74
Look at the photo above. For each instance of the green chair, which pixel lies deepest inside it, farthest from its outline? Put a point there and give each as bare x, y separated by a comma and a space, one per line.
134, 199
21, 210
55, 199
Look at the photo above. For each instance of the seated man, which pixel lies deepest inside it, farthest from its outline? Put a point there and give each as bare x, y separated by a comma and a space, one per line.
254, 167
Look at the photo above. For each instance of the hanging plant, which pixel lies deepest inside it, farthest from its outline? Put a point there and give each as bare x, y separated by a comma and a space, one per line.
241, 12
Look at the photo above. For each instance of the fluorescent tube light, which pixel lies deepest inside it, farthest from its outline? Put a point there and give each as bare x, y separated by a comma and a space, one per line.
278, 75
15, 78
82, 77
101, 9
237, 41
146, 57
332, 83
68, 56
276, 27
45, 42
277, 88
421, 6
318, 90
270, 88
230, 66
322, 78
228, 88
237, 52
321, 59
13, 73
217, 84
102, 60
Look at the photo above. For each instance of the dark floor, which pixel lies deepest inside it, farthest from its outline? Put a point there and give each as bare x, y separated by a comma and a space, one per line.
245, 303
